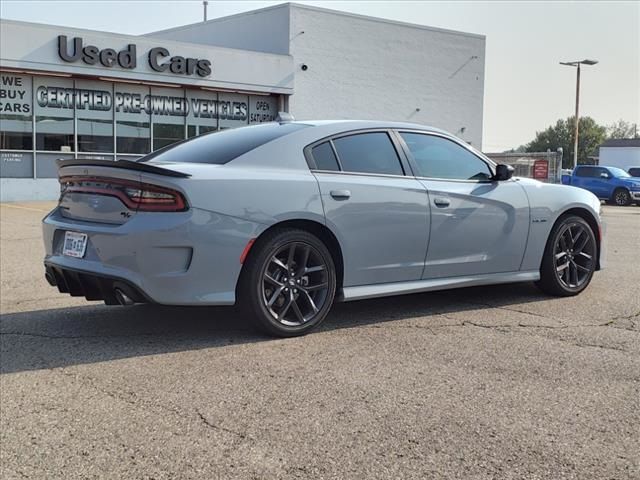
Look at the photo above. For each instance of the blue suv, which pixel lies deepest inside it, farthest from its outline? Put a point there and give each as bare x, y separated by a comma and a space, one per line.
608, 183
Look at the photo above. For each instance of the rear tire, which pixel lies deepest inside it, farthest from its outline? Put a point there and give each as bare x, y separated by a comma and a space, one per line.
621, 197
288, 282
569, 258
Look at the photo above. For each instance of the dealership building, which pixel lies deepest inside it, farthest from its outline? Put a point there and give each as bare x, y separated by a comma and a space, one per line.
74, 93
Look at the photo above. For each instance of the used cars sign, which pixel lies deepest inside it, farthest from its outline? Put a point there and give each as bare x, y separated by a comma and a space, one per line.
160, 59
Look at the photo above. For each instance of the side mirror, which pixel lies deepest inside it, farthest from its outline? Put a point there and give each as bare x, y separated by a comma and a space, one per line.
604, 175
503, 172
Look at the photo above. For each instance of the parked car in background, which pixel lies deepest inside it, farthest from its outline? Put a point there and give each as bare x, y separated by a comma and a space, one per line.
607, 183
283, 218
634, 171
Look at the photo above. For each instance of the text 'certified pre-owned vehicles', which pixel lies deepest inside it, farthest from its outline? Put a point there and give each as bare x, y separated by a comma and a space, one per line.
284, 218
607, 183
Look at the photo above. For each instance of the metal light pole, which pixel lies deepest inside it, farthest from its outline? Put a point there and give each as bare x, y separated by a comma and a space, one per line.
577, 119
204, 4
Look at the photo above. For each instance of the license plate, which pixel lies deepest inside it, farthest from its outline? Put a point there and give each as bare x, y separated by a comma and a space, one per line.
75, 244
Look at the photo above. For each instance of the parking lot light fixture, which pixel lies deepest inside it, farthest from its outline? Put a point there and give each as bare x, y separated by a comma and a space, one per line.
577, 117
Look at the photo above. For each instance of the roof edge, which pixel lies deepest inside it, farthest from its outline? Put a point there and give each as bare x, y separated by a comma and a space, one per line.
218, 19
301, 6
385, 20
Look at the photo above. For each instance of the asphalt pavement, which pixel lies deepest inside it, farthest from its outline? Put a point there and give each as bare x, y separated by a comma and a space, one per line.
495, 382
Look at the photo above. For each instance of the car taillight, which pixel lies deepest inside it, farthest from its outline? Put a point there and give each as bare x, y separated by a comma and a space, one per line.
142, 197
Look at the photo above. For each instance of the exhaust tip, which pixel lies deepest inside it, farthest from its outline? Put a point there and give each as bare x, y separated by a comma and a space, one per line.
50, 279
122, 297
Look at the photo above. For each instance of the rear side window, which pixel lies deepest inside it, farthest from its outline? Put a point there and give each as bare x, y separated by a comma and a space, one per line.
585, 172
223, 146
324, 157
368, 153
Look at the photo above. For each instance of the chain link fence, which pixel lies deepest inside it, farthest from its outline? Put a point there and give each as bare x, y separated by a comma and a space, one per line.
543, 166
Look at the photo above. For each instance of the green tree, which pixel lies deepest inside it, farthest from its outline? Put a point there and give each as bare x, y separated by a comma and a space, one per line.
562, 134
623, 129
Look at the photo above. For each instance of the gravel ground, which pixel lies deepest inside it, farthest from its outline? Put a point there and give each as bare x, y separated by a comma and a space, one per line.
493, 382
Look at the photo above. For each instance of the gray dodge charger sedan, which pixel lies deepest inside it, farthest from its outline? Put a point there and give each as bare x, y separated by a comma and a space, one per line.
284, 218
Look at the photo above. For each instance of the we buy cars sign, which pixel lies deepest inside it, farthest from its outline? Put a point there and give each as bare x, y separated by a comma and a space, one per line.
541, 169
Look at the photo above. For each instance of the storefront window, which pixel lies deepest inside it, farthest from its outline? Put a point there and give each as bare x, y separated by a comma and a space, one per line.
233, 110
203, 112
262, 108
168, 111
16, 127
94, 112
133, 127
54, 113
105, 120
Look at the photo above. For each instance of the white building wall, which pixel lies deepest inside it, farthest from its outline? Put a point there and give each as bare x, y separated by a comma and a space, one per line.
362, 67
23, 189
263, 30
621, 157
366, 68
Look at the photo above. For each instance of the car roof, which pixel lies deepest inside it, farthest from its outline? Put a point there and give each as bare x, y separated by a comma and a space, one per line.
362, 124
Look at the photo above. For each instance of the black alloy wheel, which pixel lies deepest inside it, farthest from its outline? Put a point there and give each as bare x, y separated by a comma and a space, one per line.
295, 284
289, 283
570, 257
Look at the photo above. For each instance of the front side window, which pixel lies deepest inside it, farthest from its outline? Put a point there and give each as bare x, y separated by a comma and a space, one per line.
618, 172
438, 157
368, 153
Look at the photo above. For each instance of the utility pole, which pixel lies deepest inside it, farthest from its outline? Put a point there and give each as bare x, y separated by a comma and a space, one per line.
577, 118
204, 4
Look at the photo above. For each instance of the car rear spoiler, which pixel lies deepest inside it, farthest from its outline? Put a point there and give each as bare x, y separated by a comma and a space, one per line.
125, 164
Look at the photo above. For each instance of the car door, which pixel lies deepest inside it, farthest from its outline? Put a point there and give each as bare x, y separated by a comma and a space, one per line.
478, 226
601, 182
379, 214
580, 177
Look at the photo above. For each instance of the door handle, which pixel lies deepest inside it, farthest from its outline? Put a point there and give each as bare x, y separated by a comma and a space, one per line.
441, 202
340, 194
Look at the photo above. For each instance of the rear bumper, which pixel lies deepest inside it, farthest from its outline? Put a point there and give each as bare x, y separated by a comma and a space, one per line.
176, 258
77, 283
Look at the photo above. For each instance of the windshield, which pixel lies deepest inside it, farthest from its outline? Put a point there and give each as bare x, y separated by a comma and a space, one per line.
618, 172
222, 146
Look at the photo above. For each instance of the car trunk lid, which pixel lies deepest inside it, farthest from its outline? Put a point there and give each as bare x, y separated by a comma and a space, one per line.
113, 192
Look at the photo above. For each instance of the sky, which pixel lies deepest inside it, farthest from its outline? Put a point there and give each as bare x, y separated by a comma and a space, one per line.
526, 89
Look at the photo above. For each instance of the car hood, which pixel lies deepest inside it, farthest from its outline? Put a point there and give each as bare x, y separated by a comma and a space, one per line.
635, 182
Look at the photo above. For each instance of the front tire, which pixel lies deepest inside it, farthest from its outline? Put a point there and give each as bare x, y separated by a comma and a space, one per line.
288, 282
621, 197
569, 257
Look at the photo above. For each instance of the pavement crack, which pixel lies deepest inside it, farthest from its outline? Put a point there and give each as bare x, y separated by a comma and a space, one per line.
509, 309
138, 402
592, 345
207, 423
